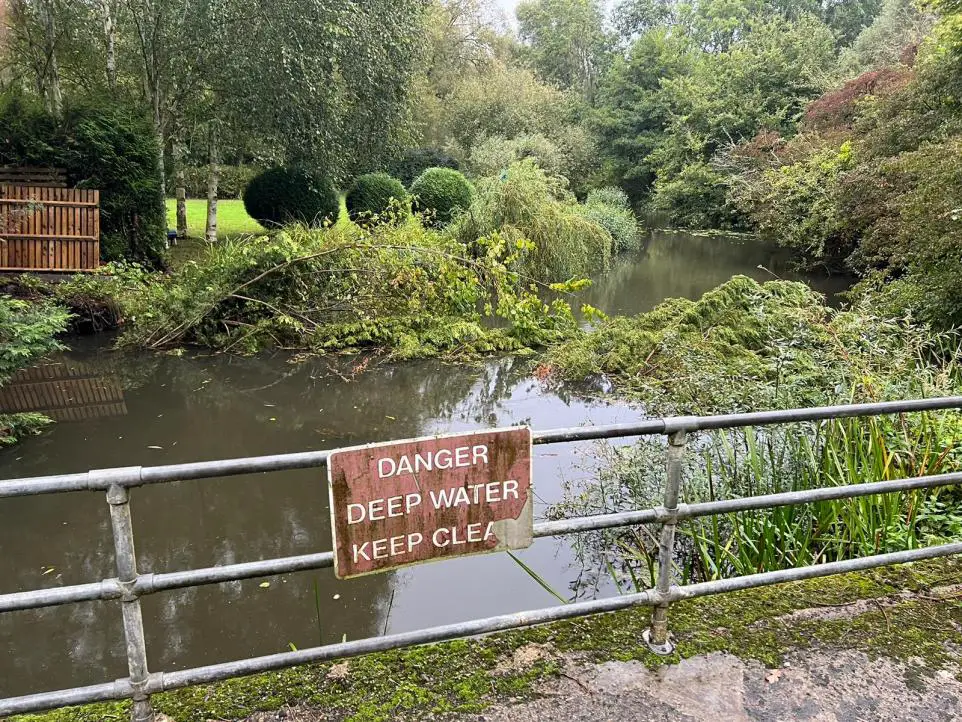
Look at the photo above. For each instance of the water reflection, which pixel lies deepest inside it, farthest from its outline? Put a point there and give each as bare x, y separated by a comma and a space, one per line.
679, 264
63, 391
199, 407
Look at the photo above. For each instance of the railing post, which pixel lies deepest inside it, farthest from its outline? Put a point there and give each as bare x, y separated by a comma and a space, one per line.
118, 497
657, 635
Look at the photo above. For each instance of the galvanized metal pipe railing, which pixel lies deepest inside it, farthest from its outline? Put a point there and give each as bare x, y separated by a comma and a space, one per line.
99, 481
152, 583
129, 586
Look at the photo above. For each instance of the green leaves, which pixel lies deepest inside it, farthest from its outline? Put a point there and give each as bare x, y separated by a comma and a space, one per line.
27, 332
397, 288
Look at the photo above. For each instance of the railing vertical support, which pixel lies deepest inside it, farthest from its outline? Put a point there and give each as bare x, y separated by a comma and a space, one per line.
118, 497
657, 635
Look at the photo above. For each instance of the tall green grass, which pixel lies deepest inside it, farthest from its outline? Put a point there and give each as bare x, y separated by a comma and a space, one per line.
835, 453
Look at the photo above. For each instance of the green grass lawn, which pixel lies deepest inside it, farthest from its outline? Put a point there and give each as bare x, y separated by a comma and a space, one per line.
232, 218
232, 222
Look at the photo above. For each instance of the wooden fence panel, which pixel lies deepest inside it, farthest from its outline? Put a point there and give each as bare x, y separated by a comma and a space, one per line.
26, 176
49, 229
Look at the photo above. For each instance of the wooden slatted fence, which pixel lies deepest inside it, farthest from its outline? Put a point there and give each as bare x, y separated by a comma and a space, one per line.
44, 228
29, 176
64, 392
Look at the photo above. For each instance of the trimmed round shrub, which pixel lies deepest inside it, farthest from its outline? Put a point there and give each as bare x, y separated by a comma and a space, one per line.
442, 193
375, 198
415, 161
291, 195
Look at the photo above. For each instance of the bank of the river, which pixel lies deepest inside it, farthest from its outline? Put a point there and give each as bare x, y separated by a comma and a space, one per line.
118, 409
910, 614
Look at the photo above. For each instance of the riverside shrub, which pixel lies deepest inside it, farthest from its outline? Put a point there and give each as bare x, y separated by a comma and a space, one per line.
441, 194
291, 195
401, 289
610, 209
376, 197
528, 207
28, 331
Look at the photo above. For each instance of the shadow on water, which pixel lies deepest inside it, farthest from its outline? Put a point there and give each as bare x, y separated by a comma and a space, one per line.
119, 410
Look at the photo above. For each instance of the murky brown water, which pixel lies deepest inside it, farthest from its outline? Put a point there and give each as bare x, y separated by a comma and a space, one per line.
156, 409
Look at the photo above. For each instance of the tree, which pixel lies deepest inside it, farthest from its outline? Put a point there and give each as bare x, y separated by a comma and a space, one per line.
325, 82
565, 41
901, 25
634, 112
462, 41
504, 101
762, 83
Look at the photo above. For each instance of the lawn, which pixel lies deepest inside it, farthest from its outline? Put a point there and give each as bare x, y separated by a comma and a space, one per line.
232, 218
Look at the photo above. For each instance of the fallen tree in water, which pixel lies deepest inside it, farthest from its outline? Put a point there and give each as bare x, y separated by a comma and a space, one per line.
403, 289
745, 345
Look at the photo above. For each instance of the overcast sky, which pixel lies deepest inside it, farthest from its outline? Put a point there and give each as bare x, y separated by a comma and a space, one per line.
508, 6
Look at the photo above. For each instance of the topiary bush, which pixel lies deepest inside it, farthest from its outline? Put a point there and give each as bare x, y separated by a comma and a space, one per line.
610, 209
441, 194
415, 161
291, 195
375, 198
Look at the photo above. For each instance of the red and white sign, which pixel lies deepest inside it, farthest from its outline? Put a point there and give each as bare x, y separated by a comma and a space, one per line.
406, 502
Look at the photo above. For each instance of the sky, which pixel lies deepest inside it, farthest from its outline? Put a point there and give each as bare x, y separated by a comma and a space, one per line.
508, 7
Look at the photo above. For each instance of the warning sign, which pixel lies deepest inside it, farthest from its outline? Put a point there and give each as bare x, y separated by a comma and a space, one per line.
406, 502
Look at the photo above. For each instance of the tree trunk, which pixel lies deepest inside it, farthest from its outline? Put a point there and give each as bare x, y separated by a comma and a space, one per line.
109, 13
53, 94
213, 178
161, 165
181, 189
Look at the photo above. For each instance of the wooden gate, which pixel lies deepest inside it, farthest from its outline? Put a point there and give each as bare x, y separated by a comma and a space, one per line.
44, 228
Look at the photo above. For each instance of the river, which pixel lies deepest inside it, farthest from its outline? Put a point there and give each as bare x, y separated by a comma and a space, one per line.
149, 409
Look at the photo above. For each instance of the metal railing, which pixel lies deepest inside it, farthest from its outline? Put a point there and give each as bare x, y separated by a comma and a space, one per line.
129, 585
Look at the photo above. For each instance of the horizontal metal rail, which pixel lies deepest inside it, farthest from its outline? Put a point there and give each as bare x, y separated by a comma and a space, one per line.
130, 585
153, 583
136, 476
168, 681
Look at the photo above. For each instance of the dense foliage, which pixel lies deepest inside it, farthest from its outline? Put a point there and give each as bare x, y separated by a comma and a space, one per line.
414, 161
743, 345
376, 197
610, 209
291, 195
750, 346
873, 185
441, 194
401, 289
107, 147
526, 206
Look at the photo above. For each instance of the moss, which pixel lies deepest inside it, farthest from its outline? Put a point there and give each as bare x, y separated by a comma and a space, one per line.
465, 676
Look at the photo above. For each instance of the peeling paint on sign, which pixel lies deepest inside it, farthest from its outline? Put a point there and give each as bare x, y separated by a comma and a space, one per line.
406, 502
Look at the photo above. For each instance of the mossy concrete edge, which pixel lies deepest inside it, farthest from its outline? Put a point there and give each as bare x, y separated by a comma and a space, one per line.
904, 620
